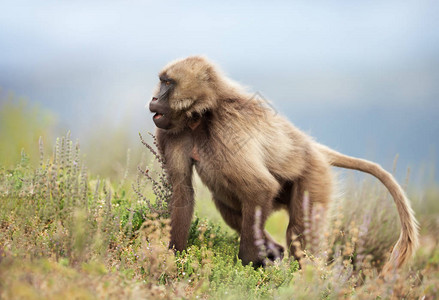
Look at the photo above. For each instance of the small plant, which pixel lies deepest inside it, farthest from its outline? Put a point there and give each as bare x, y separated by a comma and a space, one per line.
161, 186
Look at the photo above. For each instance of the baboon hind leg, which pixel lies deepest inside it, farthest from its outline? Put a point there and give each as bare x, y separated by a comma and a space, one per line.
233, 218
318, 185
294, 235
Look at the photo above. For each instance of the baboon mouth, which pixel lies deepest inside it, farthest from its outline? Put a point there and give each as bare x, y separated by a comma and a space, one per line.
162, 121
157, 116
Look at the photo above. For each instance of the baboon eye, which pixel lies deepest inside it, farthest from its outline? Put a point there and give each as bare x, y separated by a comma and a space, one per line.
167, 82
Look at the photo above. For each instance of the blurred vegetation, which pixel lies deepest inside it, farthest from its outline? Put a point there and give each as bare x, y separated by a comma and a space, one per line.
66, 233
106, 147
111, 152
21, 126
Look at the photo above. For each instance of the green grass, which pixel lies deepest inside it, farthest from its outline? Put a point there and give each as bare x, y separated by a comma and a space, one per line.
68, 234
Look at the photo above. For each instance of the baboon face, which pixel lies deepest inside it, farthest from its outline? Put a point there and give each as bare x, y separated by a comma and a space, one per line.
184, 92
160, 103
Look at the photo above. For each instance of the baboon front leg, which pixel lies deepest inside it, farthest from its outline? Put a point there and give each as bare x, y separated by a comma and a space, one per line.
182, 208
233, 218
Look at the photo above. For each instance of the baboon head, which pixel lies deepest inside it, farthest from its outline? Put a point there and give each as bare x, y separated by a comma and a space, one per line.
188, 88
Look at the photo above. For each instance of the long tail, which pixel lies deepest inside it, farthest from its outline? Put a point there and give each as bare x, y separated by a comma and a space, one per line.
408, 240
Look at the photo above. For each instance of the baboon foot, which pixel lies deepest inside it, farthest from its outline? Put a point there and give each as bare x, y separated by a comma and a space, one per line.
274, 251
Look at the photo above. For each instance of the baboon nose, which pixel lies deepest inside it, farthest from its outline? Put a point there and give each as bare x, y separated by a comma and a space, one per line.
154, 105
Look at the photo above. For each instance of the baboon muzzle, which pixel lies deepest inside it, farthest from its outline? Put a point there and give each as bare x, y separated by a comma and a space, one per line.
161, 109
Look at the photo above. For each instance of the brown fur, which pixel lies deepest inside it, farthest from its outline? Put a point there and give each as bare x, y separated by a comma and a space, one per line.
250, 157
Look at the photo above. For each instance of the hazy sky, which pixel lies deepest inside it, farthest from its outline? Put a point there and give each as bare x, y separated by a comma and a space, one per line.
360, 76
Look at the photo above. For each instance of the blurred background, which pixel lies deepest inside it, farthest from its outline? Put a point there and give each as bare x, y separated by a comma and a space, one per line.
361, 77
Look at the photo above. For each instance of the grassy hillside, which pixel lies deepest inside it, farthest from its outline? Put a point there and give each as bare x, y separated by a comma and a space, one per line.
68, 234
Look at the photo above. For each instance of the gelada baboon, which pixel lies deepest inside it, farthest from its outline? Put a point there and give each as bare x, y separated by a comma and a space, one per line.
250, 158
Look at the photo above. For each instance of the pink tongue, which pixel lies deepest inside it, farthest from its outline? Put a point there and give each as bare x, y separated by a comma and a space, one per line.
158, 116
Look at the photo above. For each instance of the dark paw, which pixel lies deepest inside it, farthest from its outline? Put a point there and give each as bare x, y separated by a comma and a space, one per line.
253, 259
274, 251
261, 257
258, 263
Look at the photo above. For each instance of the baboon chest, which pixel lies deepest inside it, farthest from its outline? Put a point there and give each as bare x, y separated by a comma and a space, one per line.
209, 163
212, 165
213, 162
